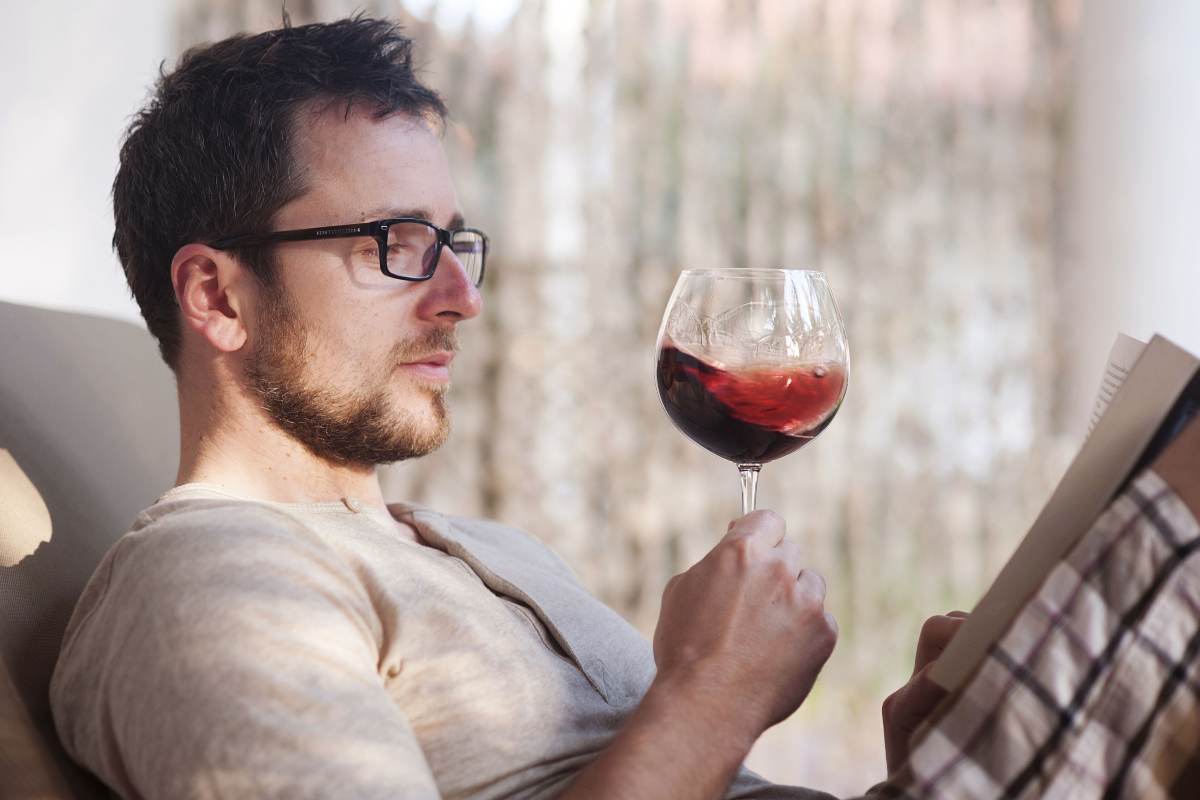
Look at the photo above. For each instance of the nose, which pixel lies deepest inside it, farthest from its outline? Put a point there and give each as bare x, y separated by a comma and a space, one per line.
450, 293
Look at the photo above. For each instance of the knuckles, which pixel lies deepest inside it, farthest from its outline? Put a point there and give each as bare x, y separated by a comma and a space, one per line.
828, 634
767, 517
810, 616
811, 584
755, 521
743, 546
736, 554
779, 571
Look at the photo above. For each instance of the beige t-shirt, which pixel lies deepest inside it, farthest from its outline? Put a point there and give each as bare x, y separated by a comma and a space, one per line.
229, 648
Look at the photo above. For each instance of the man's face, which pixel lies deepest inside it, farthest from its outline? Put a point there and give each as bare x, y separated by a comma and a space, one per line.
348, 361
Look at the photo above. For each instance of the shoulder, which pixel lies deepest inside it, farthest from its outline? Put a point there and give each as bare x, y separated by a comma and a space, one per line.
209, 619
191, 563
200, 522
204, 570
197, 539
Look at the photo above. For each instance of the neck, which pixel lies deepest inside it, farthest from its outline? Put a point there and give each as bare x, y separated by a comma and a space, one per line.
229, 442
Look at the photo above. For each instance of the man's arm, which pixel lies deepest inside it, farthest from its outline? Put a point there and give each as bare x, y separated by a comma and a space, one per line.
674, 745
740, 640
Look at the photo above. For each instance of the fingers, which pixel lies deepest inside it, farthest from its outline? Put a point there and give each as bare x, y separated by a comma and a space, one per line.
904, 711
791, 554
767, 529
908, 706
936, 633
763, 526
810, 597
811, 583
923, 694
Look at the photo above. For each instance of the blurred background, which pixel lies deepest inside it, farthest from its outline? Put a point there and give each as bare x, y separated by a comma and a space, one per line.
994, 189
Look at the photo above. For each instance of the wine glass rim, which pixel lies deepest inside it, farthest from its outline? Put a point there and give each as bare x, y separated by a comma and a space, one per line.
740, 272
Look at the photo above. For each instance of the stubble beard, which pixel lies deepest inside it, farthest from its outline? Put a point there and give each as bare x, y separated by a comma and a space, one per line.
360, 426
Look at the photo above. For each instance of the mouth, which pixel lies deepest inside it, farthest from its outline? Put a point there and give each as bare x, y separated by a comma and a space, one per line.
433, 367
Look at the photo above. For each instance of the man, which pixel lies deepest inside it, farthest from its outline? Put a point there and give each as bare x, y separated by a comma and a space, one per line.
271, 627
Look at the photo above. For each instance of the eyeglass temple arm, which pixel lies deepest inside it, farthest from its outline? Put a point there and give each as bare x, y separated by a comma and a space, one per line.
302, 235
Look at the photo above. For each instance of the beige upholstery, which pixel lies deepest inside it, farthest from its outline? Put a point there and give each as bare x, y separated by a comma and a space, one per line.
88, 415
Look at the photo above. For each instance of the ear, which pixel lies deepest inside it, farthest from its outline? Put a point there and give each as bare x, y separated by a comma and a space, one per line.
213, 291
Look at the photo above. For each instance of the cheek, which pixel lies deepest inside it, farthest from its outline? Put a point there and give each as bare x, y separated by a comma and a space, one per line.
342, 352
365, 361
355, 334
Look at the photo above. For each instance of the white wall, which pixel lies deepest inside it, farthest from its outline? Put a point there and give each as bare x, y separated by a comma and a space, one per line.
72, 75
1135, 239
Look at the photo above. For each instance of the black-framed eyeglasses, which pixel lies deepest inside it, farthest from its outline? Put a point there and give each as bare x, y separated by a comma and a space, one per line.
409, 248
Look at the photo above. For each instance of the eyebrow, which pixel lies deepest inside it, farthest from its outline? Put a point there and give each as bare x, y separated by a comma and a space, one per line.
456, 219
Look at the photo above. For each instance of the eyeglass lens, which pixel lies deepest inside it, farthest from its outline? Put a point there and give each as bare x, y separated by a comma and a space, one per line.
412, 248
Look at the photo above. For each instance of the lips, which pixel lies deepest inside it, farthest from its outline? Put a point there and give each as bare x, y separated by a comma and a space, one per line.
435, 367
436, 359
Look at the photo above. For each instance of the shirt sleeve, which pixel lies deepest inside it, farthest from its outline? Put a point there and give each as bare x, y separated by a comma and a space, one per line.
748, 785
232, 656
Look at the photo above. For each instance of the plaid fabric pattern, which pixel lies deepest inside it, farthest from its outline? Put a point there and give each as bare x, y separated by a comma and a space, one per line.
1094, 691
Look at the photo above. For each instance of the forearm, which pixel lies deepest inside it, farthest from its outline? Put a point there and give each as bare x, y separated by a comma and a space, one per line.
674, 745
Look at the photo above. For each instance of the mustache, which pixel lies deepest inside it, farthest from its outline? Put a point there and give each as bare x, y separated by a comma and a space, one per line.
438, 340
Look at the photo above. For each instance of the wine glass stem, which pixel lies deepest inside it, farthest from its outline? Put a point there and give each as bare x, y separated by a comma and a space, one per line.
749, 485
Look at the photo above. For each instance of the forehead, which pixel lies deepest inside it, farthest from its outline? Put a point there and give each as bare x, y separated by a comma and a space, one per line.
354, 164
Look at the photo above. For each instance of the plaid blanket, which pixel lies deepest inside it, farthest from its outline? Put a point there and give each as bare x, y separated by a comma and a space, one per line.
1094, 691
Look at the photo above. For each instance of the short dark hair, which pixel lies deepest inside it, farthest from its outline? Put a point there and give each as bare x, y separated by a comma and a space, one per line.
210, 154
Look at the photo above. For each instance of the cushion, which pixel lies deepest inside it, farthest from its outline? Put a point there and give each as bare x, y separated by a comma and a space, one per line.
89, 420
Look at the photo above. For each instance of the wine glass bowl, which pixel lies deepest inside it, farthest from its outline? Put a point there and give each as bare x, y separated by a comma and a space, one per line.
752, 364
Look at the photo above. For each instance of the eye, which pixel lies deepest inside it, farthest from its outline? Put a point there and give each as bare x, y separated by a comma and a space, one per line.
403, 237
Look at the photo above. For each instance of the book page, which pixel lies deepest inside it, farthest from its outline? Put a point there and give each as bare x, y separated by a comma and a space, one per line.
1125, 352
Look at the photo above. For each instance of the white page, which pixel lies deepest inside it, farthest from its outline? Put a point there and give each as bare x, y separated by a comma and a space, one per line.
1125, 352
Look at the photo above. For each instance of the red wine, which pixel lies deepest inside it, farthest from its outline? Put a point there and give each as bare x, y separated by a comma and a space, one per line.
749, 416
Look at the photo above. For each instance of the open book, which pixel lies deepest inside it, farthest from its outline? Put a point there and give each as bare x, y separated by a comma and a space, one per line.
1148, 394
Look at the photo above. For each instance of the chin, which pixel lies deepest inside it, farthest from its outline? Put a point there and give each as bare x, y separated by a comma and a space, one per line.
426, 420
421, 405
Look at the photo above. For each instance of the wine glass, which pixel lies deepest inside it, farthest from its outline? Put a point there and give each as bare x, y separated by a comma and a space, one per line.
752, 363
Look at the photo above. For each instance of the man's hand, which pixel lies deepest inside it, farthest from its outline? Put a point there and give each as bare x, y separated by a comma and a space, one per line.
745, 629
906, 708
740, 640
